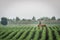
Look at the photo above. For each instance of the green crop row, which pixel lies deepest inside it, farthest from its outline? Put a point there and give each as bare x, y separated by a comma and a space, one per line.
30, 33
43, 34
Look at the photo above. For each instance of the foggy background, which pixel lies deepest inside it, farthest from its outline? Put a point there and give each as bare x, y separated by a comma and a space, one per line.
29, 8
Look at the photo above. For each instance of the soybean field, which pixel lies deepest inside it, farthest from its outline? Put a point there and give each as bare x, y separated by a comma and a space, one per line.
30, 33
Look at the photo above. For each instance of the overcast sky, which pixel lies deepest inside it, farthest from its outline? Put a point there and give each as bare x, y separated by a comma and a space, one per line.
28, 8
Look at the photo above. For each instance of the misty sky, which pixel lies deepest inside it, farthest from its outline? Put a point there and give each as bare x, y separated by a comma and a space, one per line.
28, 8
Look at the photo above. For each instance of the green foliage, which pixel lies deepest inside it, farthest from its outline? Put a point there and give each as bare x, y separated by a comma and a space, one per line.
45, 18
43, 34
27, 32
33, 18
50, 34
53, 18
17, 19
58, 19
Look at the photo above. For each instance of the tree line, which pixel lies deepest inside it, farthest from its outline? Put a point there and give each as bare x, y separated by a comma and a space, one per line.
4, 20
